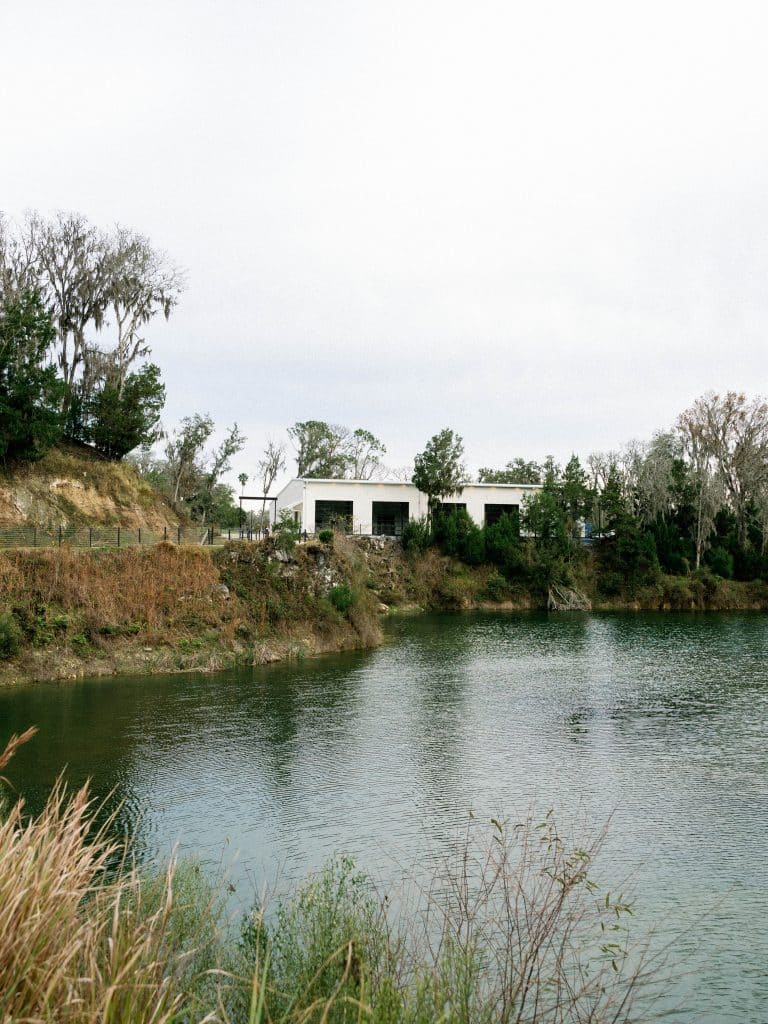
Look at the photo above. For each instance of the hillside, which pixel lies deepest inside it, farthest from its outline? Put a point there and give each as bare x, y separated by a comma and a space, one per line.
72, 486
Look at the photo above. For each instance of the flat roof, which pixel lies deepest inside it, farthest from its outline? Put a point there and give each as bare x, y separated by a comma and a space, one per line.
397, 483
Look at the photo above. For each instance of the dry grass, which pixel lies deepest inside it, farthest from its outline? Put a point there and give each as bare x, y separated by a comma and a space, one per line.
156, 586
76, 948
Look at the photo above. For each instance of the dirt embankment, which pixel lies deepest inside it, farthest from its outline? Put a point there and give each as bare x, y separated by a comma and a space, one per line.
68, 613
72, 486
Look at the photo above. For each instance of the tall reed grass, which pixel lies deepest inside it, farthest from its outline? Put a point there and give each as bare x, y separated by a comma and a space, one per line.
514, 931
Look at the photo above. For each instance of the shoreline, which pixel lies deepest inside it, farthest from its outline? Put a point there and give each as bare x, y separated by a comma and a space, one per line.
138, 660
73, 614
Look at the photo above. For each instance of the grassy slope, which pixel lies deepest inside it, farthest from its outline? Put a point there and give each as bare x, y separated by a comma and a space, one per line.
72, 486
65, 613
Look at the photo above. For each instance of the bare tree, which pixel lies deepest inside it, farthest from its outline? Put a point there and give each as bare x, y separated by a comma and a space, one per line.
90, 280
365, 453
272, 463
733, 431
72, 257
183, 450
142, 282
653, 476
705, 481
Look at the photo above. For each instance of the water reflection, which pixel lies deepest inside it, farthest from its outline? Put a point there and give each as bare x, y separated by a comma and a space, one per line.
659, 719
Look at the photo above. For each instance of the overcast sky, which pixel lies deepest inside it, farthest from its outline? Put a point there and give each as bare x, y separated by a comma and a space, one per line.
542, 224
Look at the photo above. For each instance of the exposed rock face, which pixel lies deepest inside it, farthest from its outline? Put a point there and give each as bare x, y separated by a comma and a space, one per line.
69, 488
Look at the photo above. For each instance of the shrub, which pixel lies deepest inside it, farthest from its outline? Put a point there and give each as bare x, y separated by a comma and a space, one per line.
325, 536
677, 593
10, 636
459, 536
502, 545
417, 535
341, 597
80, 643
720, 562
286, 532
496, 587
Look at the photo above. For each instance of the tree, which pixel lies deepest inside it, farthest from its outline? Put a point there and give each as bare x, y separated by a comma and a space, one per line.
542, 516
576, 495
30, 391
733, 431
191, 476
321, 449
243, 480
439, 471
518, 471
365, 451
270, 464
183, 451
141, 282
120, 416
214, 466
90, 281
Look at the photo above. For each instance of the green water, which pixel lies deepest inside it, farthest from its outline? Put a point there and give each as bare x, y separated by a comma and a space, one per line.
659, 720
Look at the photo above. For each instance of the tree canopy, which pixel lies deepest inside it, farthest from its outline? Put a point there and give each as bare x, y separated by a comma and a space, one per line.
30, 390
439, 471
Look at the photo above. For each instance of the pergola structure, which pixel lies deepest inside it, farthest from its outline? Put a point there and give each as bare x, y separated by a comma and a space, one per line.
263, 498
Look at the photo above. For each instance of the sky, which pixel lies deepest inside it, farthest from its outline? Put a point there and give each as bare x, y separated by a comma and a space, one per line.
544, 225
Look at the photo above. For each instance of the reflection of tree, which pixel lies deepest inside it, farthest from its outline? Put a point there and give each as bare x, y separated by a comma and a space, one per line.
439, 668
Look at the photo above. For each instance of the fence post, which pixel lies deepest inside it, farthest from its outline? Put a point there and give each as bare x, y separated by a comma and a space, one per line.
139, 536
165, 533
59, 535
178, 531
90, 536
118, 536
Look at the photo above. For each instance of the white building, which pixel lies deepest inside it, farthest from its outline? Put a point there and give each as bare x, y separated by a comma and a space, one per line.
382, 508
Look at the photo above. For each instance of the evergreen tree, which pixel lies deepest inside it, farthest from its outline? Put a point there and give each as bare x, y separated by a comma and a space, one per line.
121, 418
438, 470
31, 392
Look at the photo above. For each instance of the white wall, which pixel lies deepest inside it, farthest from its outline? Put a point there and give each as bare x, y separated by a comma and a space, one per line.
302, 494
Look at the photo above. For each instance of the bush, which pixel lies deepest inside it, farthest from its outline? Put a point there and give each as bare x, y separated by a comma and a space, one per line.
10, 636
286, 532
341, 597
80, 643
502, 545
720, 562
325, 536
417, 535
460, 537
496, 587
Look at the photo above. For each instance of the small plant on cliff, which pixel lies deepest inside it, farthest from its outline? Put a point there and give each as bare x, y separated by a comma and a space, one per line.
341, 597
10, 636
325, 536
287, 532
417, 535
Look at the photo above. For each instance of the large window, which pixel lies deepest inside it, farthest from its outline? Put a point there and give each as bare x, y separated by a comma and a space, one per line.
389, 518
493, 514
335, 515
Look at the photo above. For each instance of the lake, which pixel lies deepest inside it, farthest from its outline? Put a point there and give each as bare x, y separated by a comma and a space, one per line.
659, 721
